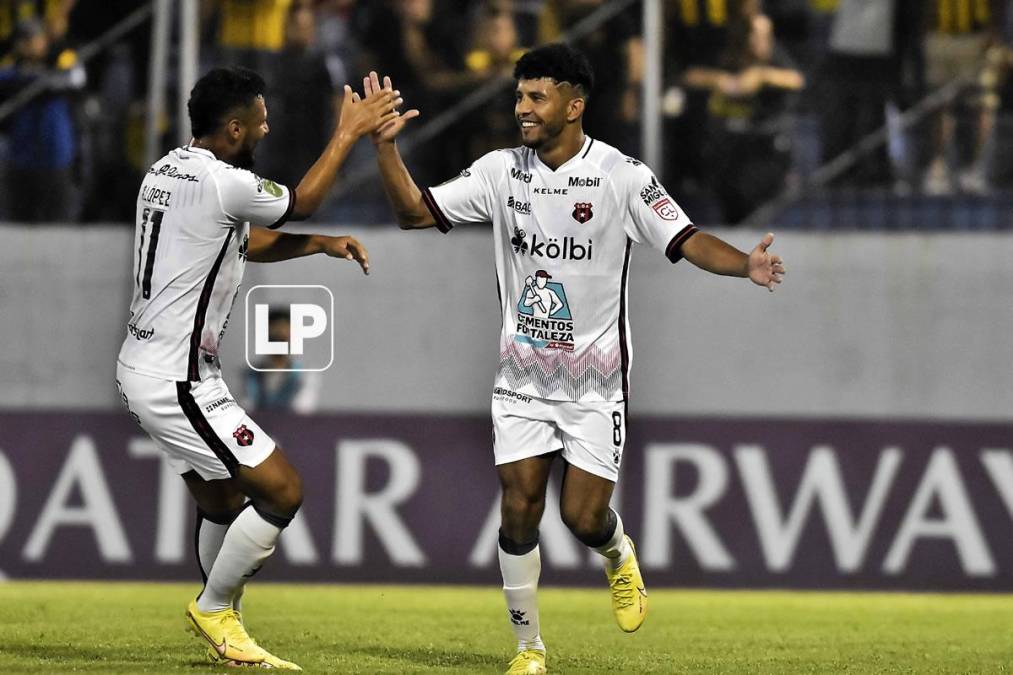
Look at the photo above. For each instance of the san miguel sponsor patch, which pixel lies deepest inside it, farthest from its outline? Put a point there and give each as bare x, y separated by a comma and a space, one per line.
654, 195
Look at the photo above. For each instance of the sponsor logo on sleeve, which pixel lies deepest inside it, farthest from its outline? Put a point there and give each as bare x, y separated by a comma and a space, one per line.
272, 188
654, 196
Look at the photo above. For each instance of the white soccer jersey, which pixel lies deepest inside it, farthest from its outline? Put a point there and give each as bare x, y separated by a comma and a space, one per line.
563, 241
193, 227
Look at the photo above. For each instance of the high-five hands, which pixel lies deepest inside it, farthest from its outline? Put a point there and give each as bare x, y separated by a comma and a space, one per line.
388, 131
765, 269
361, 116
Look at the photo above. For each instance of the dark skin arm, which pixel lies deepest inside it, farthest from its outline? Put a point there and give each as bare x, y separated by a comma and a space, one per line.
402, 192
358, 117
718, 257
273, 246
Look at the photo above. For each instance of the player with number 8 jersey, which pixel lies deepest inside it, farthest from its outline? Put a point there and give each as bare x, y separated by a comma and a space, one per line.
566, 211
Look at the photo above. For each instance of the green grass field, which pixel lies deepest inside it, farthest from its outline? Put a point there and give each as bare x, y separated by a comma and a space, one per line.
130, 628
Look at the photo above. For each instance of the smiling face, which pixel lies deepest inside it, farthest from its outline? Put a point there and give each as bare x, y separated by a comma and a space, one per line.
543, 108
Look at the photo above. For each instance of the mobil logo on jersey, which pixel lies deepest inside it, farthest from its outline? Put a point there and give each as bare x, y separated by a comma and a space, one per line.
544, 320
553, 248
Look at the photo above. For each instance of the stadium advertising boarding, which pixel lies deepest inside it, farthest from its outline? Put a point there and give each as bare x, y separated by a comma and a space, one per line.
709, 501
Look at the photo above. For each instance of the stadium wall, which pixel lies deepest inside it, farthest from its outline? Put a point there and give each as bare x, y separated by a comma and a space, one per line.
866, 325
851, 430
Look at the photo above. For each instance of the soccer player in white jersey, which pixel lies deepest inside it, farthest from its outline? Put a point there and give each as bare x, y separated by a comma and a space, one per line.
201, 214
565, 211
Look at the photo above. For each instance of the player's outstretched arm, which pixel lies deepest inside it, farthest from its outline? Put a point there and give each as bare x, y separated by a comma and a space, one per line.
402, 192
273, 246
358, 118
714, 255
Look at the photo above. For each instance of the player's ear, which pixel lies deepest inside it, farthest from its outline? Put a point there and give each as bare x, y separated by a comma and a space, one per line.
234, 127
574, 109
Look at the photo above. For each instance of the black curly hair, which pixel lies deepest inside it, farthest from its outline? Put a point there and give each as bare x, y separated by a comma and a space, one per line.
560, 62
220, 91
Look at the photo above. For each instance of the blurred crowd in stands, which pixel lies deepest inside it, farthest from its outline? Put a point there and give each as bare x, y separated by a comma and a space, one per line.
757, 95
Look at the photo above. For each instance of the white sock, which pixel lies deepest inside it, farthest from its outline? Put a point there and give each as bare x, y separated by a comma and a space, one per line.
617, 549
520, 586
247, 544
210, 536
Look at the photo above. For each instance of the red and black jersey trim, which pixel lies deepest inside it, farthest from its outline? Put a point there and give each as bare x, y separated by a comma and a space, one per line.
203, 428
624, 347
288, 212
442, 222
674, 249
192, 369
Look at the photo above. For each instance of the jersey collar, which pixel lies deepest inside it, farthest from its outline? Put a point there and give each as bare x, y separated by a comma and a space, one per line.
581, 154
198, 151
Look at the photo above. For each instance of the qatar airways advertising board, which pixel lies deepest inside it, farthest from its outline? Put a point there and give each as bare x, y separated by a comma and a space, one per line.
715, 502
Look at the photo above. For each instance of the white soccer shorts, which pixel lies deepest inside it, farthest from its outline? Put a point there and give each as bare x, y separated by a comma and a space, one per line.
199, 425
591, 435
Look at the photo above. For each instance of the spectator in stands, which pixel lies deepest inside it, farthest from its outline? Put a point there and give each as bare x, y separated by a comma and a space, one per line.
960, 33
696, 36
43, 139
54, 15
250, 32
335, 38
616, 52
303, 102
495, 50
997, 83
869, 43
277, 383
425, 57
749, 131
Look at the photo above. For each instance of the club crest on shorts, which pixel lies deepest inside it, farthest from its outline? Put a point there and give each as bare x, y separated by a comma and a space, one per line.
243, 436
582, 212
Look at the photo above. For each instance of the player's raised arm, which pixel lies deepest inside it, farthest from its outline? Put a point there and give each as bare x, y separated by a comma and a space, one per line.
273, 246
358, 118
714, 255
402, 192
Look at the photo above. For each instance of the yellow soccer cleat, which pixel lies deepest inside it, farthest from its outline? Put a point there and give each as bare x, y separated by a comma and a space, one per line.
230, 644
527, 662
629, 597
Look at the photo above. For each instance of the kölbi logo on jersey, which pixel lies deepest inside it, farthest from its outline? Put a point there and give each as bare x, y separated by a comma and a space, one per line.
553, 247
289, 328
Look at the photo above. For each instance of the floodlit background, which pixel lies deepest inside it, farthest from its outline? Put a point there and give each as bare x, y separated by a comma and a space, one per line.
849, 431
